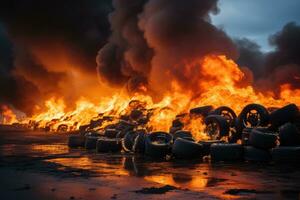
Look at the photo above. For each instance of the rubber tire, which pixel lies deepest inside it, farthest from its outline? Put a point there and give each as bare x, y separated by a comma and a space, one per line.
105, 145
262, 140
226, 152
111, 133
76, 141
256, 155
289, 135
218, 111
284, 115
260, 109
128, 140
174, 129
221, 121
187, 149
182, 134
156, 150
206, 145
139, 143
91, 142
201, 111
286, 154
245, 136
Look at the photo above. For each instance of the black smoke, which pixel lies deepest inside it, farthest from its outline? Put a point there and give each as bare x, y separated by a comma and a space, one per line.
151, 40
278, 67
28, 27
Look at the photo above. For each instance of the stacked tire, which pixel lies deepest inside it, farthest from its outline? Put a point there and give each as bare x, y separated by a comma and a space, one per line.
286, 120
259, 145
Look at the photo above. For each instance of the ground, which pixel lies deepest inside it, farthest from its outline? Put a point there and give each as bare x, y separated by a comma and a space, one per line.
39, 165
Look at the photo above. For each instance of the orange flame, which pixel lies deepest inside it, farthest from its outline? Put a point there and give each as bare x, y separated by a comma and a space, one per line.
220, 86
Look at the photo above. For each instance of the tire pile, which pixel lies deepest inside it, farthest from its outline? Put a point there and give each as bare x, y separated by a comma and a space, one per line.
257, 134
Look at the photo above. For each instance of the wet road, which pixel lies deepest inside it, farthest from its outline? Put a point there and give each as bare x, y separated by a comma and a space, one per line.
40, 165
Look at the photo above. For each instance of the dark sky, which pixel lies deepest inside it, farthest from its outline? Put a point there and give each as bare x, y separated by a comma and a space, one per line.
256, 19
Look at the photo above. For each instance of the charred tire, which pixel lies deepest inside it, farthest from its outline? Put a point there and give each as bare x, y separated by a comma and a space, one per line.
283, 115
243, 117
289, 135
76, 141
111, 133
105, 145
227, 113
174, 129
226, 152
139, 143
182, 134
206, 145
128, 140
158, 144
201, 111
187, 149
256, 155
91, 142
221, 122
286, 154
262, 140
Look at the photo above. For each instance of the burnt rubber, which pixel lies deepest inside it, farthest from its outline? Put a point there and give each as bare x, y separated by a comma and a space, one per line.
91, 142
256, 155
227, 113
128, 140
206, 145
139, 143
201, 111
182, 134
261, 111
284, 115
76, 141
105, 145
226, 152
262, 140
111, 133
221, 122
158, 144
187, 149
289, 135
286, 154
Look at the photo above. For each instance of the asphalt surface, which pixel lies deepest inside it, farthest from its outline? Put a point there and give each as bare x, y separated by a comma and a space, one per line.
39, 165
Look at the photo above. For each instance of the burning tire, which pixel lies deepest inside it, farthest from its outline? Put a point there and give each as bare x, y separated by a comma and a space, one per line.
284, 115
139, 143
206, 145
289, 135
182, 134
91, 142
111, 133
227, 113
262, 140
158, 144
245, 136
286, 154
226, 152
256, 155
76, 141
128, 140
62, 128
253, 115
105, 145
174, 129
187, 148
201, 111
216, 126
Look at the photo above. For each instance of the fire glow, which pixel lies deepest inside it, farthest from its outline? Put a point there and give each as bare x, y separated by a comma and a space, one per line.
221, 83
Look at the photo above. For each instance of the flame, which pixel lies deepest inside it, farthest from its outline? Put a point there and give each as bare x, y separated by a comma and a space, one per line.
222, 85
7, 116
